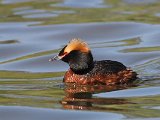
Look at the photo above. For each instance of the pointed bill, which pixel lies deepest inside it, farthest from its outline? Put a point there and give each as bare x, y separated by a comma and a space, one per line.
54, 58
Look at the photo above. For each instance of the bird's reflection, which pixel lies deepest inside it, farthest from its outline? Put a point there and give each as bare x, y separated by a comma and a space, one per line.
81, 97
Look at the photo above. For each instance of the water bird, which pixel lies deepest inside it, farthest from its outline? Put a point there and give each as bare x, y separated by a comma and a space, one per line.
85, 71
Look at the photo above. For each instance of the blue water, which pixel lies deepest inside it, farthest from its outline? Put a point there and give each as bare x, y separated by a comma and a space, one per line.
32, 31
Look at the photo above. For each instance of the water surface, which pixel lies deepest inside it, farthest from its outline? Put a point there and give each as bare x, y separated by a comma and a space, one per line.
33, 31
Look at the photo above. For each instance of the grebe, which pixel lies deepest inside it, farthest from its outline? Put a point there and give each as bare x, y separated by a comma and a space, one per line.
85, 71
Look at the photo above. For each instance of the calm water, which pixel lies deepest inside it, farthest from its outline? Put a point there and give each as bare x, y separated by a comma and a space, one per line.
32, 31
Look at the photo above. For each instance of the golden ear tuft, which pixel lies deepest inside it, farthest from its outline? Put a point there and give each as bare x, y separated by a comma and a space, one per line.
77, 44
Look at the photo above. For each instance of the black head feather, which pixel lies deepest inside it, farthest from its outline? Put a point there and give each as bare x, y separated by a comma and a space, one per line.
79, 62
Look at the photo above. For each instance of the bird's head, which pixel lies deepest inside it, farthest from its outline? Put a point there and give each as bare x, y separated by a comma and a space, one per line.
77, 54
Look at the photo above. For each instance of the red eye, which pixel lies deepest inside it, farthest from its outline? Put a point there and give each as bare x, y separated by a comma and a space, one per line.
63, 54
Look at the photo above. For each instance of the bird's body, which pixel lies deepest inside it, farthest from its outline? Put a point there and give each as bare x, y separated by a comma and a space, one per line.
104, 72
84, 71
